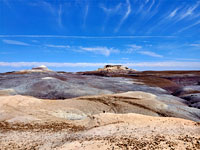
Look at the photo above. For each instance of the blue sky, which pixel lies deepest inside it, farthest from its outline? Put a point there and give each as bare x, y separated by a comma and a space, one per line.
74, 35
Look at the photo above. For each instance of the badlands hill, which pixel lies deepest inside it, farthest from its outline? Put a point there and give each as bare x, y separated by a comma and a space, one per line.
111, 108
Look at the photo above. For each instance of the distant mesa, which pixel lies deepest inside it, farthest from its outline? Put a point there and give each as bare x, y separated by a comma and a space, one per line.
115, 68
110, 70
41, 68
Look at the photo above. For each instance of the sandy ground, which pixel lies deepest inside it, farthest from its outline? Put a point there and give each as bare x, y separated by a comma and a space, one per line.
131, 120
104, 131
25, 108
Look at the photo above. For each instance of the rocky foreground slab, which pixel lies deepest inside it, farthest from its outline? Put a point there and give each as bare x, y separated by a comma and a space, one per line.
104, 131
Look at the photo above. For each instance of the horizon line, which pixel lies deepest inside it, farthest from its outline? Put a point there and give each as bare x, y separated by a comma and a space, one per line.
171, 64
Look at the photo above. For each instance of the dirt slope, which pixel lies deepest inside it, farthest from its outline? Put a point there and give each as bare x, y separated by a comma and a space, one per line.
27, 108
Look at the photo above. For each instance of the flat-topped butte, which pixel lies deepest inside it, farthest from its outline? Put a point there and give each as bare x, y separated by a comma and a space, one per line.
115, 68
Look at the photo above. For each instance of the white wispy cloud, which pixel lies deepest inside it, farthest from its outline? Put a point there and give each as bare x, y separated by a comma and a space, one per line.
85, 14
35, 41
146, 1
57, 46
135, 47
128, 11
162, 20
152, 4
84, 37
14, 42
47, 6
132, 48
48, 64
183, 12
189, 11
190, 26
168, 64
149, 53
139, 49
173, 13
144, 8
55, 10
60, 24
111, 10
100, 50
195, 45
187, 59
6, 53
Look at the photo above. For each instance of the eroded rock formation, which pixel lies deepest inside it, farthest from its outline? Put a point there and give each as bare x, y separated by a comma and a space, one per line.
111, 108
